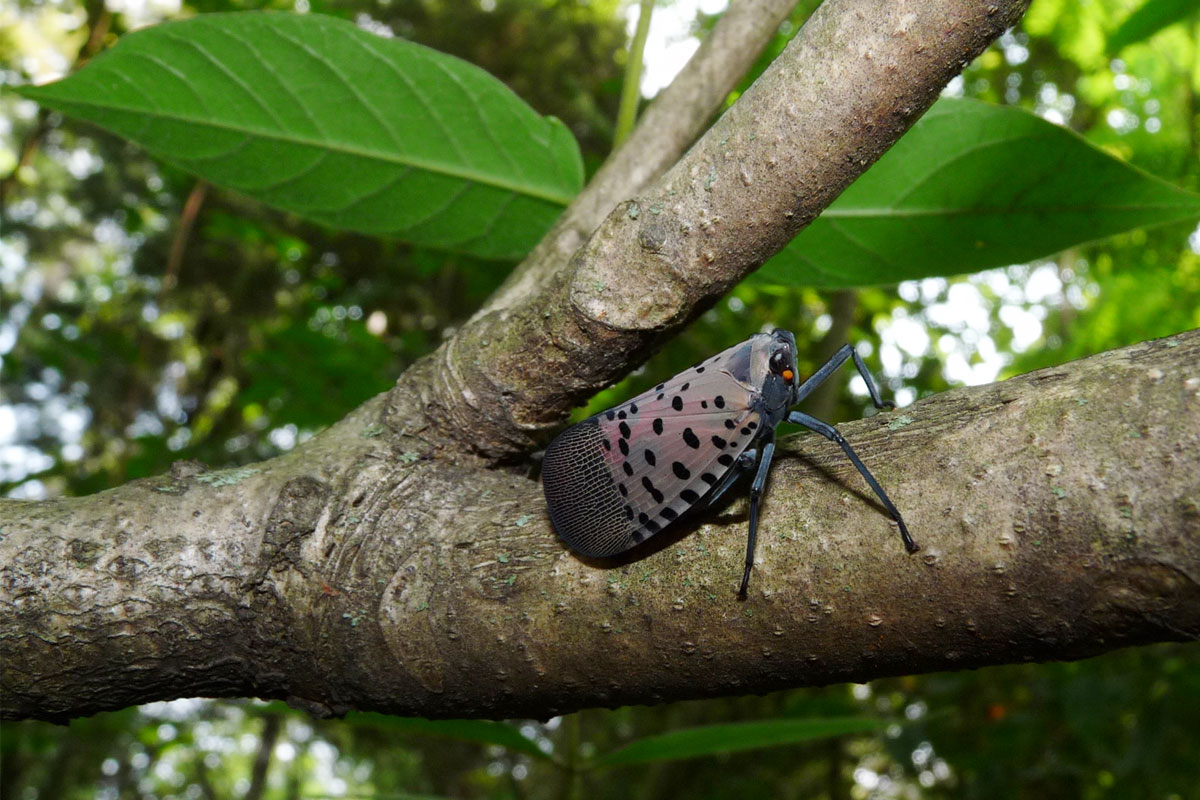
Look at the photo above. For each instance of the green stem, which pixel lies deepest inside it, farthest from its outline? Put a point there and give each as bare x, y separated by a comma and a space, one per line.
630, 94
573, 790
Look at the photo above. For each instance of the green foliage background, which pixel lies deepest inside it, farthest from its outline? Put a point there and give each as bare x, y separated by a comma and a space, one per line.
126, 346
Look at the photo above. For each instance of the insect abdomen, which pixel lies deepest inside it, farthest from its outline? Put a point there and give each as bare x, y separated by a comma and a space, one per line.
585, 506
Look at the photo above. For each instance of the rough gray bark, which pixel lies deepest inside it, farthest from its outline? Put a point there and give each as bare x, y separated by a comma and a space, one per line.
1058, 513
383, 566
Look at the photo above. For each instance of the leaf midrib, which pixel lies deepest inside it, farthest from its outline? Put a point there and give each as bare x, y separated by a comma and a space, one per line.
463, 174
885, 212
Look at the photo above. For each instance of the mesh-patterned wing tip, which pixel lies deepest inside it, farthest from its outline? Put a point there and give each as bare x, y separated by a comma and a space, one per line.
581, 494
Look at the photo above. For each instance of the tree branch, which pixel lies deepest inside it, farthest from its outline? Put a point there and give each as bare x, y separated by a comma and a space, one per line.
844, 90
1057, 513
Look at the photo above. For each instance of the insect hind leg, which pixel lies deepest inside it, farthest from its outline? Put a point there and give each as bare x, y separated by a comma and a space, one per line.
832, 434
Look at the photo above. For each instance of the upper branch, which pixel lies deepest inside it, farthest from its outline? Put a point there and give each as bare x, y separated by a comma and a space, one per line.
672, 122
847, 87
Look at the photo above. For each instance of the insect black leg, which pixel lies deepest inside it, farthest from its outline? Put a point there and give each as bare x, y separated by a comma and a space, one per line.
831, 433
828, 368
756, 490
744, 462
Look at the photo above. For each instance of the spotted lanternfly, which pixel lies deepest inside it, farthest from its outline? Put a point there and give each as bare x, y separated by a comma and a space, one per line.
621, 476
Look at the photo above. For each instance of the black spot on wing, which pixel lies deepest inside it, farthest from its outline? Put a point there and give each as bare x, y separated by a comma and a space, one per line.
677, 403
681, 471
690, 439
652, 489
658, 426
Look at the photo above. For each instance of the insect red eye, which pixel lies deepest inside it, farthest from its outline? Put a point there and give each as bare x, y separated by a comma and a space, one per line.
788, 375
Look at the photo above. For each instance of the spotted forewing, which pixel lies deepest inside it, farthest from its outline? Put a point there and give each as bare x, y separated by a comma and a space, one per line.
623, 475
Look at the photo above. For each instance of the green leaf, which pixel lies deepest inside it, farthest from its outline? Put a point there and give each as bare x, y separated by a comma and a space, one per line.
464, 730
1150, 18
970, 187
732, 737
313, 115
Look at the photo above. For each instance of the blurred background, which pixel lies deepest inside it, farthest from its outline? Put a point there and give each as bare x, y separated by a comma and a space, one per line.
147, 317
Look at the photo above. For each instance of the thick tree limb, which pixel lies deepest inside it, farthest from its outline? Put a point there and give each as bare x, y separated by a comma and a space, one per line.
844, 90
1059, 515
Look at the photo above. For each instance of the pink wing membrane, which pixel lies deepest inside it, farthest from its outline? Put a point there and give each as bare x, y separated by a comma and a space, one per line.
666, 448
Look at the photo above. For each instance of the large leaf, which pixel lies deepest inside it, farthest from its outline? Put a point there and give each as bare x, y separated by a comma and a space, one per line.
732, 737
315, 116
974, 186
1150, 18
464, 730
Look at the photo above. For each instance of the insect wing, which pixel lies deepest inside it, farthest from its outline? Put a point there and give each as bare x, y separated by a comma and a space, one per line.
624, 474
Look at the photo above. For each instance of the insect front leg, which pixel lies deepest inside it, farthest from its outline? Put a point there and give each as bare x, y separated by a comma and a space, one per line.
821, 375
744, 462
756, 490
831, 433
